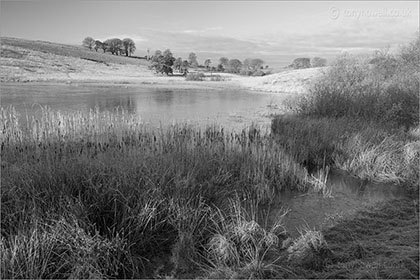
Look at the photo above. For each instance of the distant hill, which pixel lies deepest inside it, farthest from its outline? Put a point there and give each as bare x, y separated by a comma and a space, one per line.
72, 51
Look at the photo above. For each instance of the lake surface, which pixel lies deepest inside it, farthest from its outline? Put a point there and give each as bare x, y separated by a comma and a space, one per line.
232, 108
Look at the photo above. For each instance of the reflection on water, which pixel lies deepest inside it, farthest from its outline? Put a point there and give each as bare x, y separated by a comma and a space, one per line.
125, 102
232, 108
349, 194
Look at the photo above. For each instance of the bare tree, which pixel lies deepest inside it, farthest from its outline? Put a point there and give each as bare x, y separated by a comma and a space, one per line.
178, 63
224, 62
192, 60
98, 45
301, 63
207, 63
234, 66
88, 42
318, 62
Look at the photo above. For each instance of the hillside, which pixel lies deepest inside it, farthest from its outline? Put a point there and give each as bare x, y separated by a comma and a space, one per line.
25, 60
290, 81
32, 61
70, 51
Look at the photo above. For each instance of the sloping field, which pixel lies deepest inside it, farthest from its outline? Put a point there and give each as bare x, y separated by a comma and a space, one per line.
291, 81
71, 51
26, 61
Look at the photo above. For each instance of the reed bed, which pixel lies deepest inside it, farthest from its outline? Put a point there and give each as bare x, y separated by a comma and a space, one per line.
366, 150
113, 179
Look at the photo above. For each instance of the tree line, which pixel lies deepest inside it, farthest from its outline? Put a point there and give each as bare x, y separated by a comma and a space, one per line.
115, 46
166, 63
305, 62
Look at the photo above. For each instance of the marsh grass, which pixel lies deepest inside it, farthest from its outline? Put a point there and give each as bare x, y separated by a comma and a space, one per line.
62, 249
366, 150
157, 191
242, 246
361, 116
380, 242
310, 250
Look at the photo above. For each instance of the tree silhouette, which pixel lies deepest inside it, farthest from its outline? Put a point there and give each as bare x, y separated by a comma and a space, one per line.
98, 45
88, 42
192, 60
114, 45
207, 63
129, 46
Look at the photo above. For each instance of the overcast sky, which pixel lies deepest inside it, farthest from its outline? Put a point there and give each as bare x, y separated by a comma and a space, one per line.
241, 29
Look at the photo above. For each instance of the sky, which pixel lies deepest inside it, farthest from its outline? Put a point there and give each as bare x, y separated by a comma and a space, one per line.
276, 31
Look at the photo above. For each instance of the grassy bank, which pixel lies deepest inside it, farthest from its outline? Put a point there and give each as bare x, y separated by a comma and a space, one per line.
378, 243
361, 116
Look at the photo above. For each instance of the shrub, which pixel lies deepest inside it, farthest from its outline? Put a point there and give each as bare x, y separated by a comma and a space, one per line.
195, 76
258, 73
381, 89
217, 78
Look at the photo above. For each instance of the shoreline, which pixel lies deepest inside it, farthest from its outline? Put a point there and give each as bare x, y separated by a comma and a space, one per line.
22, 65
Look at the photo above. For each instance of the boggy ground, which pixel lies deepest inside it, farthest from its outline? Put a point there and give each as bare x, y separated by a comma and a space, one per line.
97, 195
380, 242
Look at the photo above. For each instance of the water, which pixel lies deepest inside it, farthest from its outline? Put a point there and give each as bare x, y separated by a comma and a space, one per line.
231, 108
316, 211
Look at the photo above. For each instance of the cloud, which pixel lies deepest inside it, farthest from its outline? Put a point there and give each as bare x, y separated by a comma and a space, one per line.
135, 37
325, 40
203, 31
350, 35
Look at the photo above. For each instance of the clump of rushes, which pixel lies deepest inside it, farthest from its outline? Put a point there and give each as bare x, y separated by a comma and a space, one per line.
63, 249
241, 247
310, 250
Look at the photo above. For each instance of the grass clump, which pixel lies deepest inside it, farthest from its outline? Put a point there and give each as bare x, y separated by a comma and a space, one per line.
62, 249
310, 250
241, 247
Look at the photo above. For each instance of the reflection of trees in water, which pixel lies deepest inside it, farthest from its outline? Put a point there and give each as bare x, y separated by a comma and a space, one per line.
163, 96
110, 104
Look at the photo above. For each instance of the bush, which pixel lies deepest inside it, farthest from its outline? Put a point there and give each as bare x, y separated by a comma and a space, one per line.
217, 78
195, 77
381, 89
258, 73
